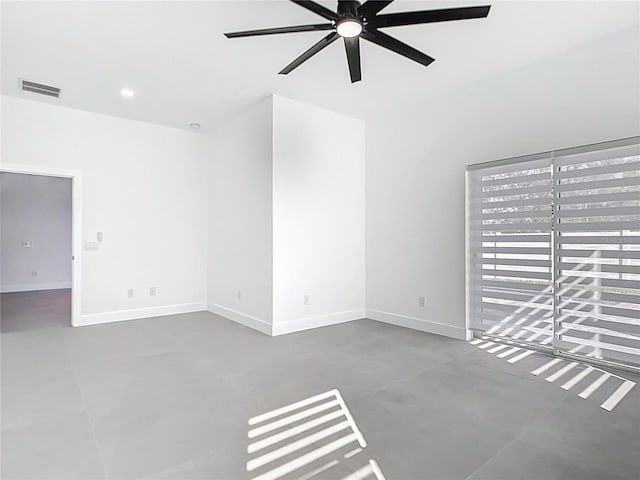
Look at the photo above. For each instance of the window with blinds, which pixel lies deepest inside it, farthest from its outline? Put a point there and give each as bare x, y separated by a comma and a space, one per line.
597, 244
509, 225
553, 250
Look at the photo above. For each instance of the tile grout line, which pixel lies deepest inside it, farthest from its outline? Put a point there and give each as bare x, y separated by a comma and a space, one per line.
406, 377
92, 428
526, 429
468, 477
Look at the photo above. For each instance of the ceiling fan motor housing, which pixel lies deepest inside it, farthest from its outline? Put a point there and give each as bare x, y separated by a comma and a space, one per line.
348, 8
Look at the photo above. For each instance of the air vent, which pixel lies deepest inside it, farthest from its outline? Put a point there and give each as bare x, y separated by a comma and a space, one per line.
40, 88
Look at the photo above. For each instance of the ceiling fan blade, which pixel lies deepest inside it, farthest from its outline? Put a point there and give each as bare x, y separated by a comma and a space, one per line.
372, 7
324, 42
352, 45
396, 46
317, 8
276, 30
429, 16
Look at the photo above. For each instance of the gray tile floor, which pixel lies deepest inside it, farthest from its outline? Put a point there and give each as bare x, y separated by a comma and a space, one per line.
170, 397
33, 310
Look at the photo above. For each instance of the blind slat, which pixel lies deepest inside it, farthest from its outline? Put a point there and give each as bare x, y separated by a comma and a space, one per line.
608, 241
599, 155
599, 212
522, 202
599, 226
533, 288
599, 267
602, 170
514, 261
513, 179
597, 198
598, 184
605, 254
512, 192
546, 213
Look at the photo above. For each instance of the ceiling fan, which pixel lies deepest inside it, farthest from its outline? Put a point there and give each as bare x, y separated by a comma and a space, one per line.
353, 21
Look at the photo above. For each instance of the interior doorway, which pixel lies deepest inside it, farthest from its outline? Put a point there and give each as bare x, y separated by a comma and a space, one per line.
39, 239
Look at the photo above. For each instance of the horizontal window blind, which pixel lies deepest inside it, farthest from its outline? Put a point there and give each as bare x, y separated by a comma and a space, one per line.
554, 250
509, 228
597, 245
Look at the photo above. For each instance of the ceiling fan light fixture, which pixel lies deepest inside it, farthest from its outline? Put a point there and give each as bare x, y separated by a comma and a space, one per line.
350, 27
354, 20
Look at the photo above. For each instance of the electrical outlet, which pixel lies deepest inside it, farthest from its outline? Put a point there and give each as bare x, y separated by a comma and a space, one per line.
130, 293
152, 291
306, 299
422, 302
240, 295
34, 273
99, 236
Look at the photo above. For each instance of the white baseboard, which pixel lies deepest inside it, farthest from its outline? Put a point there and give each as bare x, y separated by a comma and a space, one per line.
297, 325
246, 320
137, 313
34, 287
418, 324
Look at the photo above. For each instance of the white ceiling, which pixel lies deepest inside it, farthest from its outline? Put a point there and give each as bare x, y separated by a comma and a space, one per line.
173, 54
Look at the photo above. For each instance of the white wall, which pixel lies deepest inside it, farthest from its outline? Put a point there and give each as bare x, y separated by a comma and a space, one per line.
286, 185
318, 216
286, 217
416, 159
240, 218
35, 209
144, 187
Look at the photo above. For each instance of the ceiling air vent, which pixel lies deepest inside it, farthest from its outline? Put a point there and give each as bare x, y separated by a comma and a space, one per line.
40, 88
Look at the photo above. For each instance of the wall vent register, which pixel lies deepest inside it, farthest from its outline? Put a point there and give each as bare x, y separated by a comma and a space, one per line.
39, 88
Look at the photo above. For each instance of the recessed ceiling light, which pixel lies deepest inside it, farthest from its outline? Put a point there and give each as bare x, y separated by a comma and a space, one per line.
194, 125
127, 92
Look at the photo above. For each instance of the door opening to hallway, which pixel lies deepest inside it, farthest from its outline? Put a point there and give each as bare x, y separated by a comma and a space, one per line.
36, 251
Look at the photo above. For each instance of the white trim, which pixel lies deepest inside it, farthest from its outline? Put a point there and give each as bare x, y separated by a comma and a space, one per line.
467, 259
242, 318
418, 324
76, 240
35, 287
137, 313
299, 324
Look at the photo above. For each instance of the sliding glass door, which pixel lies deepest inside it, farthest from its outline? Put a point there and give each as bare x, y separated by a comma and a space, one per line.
509, 225
553, 251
